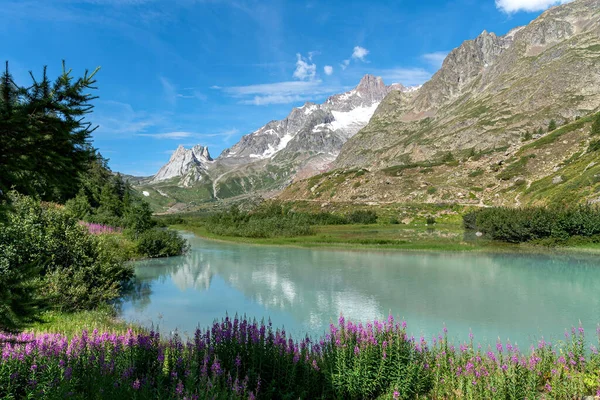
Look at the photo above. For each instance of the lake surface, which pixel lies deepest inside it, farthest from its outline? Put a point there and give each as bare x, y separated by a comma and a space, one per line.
512, 296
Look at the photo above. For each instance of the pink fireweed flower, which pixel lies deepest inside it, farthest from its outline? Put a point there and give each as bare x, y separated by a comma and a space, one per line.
136, 384
396, 395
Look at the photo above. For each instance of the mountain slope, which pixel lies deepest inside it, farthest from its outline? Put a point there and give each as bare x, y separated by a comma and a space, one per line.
489, 91
303, 144
461, 137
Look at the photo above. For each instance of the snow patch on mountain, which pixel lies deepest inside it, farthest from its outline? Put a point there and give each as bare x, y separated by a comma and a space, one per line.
357, 116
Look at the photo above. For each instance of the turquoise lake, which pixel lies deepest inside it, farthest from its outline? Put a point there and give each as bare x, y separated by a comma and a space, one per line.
520, 297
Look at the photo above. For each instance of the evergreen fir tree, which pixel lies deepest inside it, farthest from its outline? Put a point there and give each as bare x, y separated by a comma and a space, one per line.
44, 138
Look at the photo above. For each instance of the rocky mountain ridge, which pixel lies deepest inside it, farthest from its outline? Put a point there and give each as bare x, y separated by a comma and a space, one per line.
306, 142
476, 133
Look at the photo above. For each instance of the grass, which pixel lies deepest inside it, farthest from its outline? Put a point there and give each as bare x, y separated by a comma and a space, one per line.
417, 236
104, 319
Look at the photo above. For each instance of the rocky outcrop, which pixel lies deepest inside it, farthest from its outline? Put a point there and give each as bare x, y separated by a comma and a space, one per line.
189, 165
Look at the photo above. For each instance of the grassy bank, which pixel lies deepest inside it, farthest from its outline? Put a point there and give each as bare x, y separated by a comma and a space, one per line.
420, 237
103, 319
441, 237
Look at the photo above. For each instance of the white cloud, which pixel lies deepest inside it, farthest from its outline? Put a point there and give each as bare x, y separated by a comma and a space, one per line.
435, 59
405, 76
168, 135
512, 6
280, 92
275, 99
328, 69
345, 64
305, 70
216, 87
359, 53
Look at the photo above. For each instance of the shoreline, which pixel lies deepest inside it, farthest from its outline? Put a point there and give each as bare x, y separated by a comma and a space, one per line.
305, 242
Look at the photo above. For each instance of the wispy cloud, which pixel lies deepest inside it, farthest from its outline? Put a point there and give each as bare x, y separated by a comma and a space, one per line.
345, 64
513, 6
328, 69
168, 135
191, 93
172, 93
280, 92
435, 59
117, 118
359, 53
178, 135
405, 76
169, 91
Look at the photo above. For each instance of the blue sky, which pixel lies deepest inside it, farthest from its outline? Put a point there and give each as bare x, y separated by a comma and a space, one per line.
209, 71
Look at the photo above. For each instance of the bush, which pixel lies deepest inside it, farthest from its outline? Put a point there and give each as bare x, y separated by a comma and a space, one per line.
476, 173
362, 217
430, 220
596, 125
75, 270
534, 223
551, 125
160, 243
594, 146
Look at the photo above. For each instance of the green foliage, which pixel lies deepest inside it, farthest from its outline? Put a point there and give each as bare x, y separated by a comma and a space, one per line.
476, 173
551, 125
43, 249
594, 146
431, 190
271, 220
43, 134
596, 125
527, 136
430, 220
362, 217
448, 157
160, 243
534, 223
515, 169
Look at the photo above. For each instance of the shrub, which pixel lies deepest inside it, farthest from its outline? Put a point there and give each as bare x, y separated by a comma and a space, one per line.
596, 125
476, 173
160, 243
394, 221
551, 125
76, 270
430, 220
594, 146
431, 190
362, 217
534, 223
